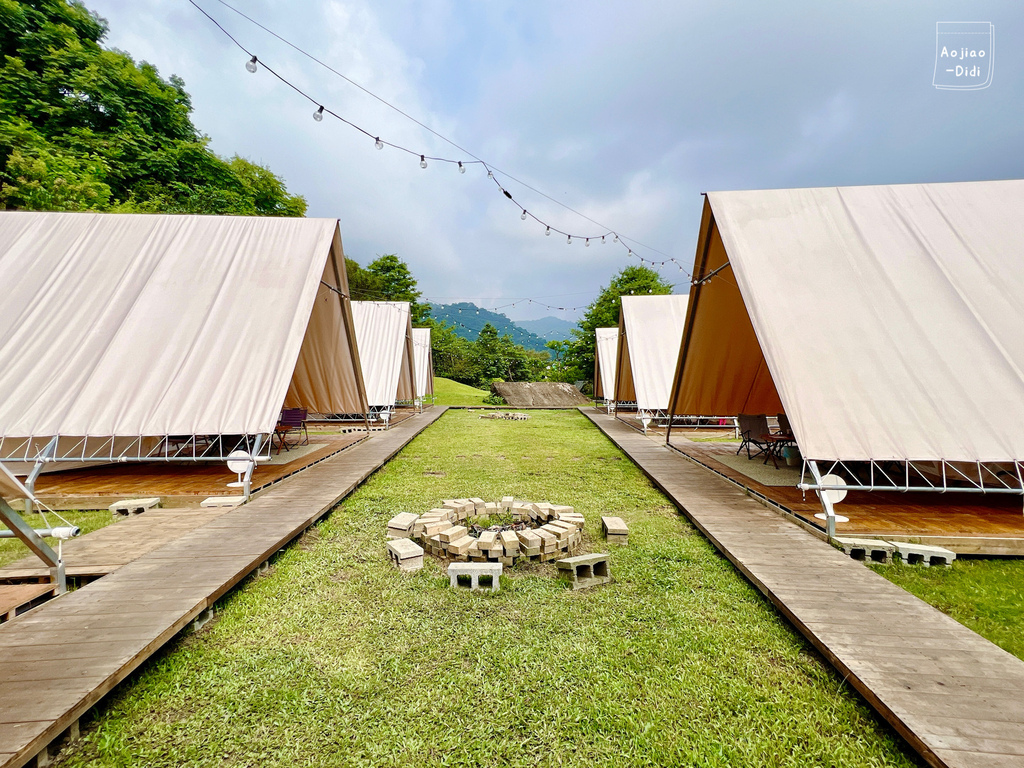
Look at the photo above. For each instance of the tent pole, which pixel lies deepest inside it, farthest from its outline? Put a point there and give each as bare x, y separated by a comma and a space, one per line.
826, 502
32, 540
30, 481
247, 488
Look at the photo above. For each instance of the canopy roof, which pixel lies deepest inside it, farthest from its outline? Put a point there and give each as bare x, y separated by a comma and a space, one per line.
424, 358
888, 321
149, 325
606, 349
384, 336
650, 329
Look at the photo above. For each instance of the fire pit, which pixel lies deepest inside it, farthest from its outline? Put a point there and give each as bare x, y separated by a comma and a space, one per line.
473, 530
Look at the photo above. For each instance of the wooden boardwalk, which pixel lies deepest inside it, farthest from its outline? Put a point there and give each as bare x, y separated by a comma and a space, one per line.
60, 659
955, 697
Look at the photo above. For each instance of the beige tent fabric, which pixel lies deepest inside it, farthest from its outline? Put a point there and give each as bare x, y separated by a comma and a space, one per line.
424, 359
130, 325
384, 337
650, 332
606, 350
328, 375
725, 372
891, 317
407, 379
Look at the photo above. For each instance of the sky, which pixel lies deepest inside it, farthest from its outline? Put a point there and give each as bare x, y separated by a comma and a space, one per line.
624, 112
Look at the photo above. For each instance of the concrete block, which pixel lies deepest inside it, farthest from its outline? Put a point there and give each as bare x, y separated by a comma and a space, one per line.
129, 507
875, 550
924, 554
473, 573
222, 501
406, 555
453, 533
585, 571
401, 526
615, 530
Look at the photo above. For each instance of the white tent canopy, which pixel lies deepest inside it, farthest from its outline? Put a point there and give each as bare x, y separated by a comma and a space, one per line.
606, 350
424, 360
890, 318
650, 330
142, 326
384, 336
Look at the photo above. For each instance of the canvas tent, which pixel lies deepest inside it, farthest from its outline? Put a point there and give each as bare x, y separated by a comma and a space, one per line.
887, 322
424, 359
384, 335
650, 329
606, 350
120, 332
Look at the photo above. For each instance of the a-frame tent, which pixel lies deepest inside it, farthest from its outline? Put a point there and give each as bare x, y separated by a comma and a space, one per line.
606, 351
650, 329
384, 334
128, 337
424, 359
887, 322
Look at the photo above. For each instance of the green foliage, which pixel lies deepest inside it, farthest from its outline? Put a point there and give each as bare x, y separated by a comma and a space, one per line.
577, 357
362, 285
396, 283
491, 356
85, 128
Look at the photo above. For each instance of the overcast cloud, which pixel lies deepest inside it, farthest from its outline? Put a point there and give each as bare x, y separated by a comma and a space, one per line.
624, 111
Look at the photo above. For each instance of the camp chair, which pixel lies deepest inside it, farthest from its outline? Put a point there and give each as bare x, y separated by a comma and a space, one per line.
784, 428
292, 420
752, 431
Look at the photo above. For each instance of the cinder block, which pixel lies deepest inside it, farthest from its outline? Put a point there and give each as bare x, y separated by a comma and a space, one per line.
473, 572
924, 554
401, 526
128, 507
875, 550
585, 571
406, 555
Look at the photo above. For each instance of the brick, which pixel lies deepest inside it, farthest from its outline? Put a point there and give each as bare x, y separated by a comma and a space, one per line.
560, 533
478, 503
549, 541
433, 528
563, 525
490, 508
454, 533
561, 509
462, 546
528, 538
506, 503
575, 518
510, 542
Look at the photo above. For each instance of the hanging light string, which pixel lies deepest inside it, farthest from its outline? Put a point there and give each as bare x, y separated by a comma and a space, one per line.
255, 63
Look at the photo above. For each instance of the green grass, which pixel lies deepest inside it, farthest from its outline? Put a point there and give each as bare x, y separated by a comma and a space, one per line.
90, 520
450, 392
985, 595
334, 658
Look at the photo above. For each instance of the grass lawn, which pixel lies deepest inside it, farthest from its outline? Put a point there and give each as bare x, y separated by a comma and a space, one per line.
334, 658
13, 549
450, 392
985, 595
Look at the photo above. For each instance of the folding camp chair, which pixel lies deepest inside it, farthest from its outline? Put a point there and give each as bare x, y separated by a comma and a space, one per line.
784, 428
753, 430
292, 420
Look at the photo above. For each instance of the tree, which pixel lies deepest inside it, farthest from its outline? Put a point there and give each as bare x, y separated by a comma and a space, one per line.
577, 361
85, 128
398, 284
362, 285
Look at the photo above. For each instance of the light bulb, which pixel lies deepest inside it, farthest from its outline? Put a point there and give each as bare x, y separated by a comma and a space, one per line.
569, 240
616, 239
379, 144
319, 114
630, 253
547, 232
462, 168
423, 162
587, 244
602, 239
490, 174
250, 65
523, 217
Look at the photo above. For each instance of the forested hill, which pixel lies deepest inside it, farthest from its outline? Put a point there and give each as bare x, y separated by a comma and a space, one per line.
469, 319
86, 128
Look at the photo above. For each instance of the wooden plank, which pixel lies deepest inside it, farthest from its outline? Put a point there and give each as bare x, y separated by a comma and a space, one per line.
916, 666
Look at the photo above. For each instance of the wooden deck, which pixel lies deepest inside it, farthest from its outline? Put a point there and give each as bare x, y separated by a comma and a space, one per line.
177, 484
954, 696
17, 598
60, 659
963, 522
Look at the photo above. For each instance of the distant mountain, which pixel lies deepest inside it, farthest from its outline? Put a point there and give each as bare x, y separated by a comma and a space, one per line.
469, 319
548, 328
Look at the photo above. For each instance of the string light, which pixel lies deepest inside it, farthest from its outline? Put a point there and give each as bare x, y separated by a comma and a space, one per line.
587, 244
252, 66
